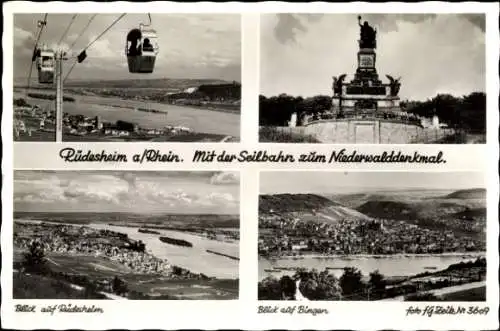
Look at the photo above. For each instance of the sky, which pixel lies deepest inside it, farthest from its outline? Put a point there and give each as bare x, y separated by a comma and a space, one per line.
358, 182
190, 45
120, 191
432, 53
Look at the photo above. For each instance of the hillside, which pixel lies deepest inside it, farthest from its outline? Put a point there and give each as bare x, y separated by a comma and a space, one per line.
477, 193
354, 200
422, 209
163, 83
470, 213
283, 203
181, 220
158, 83
307, 207
388, 209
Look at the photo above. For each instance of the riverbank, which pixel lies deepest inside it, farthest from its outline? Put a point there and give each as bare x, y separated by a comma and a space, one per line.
355, 284
113, 109
394, 266
194, 259
374, 256
101, 259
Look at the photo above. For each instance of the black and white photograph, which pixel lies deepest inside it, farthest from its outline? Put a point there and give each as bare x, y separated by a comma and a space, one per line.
127, 77
126, 235
366, 236
373, 78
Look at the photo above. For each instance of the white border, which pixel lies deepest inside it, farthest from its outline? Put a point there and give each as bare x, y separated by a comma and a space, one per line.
242, 314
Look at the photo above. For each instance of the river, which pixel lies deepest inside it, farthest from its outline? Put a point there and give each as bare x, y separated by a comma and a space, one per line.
113, 109
389, 266
195, 258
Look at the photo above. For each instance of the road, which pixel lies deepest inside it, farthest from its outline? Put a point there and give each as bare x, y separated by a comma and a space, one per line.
446, 290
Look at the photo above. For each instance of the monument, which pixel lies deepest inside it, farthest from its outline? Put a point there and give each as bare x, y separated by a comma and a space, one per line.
364, 110
366, 95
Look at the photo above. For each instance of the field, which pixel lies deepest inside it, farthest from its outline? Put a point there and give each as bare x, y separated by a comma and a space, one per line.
475, 294
98, 267
26, 286
218, 289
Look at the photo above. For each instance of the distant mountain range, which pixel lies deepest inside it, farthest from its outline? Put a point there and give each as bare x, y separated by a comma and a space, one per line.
477, 193
160, 83
306, 207
207, 220
398, 205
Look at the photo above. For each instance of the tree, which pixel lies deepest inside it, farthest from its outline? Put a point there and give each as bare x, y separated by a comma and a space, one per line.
351, 283
377, 280
288, 288
119, 286
377, 283
20, 102
316, 285
269, 289
34, 260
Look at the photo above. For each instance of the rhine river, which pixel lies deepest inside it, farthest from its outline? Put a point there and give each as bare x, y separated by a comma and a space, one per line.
389, 266
114, 109
196, 259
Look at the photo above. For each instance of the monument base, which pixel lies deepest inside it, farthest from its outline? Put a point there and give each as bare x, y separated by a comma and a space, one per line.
364, 131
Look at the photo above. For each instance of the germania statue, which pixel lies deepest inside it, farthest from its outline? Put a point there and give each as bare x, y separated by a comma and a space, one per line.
368, 35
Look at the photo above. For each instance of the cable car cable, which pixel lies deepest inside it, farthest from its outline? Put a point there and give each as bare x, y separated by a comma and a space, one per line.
67, 30
107, 29
81, 57
70, 70
76, 40
83, 31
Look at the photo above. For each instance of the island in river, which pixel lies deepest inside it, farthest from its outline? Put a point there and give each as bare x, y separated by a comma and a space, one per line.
97, 259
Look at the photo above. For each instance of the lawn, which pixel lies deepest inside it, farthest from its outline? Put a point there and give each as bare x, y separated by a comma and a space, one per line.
28, 286
475, 294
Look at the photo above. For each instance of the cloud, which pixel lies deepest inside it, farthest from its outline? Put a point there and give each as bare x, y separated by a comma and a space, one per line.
190, 45
479, 20
225, 178
289, 25
126, 191
431, 52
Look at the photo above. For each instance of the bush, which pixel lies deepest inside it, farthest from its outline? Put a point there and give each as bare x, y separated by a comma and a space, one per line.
21, 103
119, 286
269, 289
34, 260
351, 282
272, 134
39, 287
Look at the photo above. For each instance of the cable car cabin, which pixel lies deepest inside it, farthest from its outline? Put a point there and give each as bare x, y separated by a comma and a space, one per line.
142, 48
45, 66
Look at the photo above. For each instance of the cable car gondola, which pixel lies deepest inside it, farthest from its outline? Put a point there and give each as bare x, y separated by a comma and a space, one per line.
141, 50
45, 63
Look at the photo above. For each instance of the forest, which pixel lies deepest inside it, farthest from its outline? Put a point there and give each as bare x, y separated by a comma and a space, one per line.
467, 112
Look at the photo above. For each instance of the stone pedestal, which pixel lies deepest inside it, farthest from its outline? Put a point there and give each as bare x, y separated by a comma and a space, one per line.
365, 95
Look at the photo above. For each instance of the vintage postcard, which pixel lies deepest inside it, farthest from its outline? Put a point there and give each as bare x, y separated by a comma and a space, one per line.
253, 166
126, 235
127, 77
376, 78
372, 236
